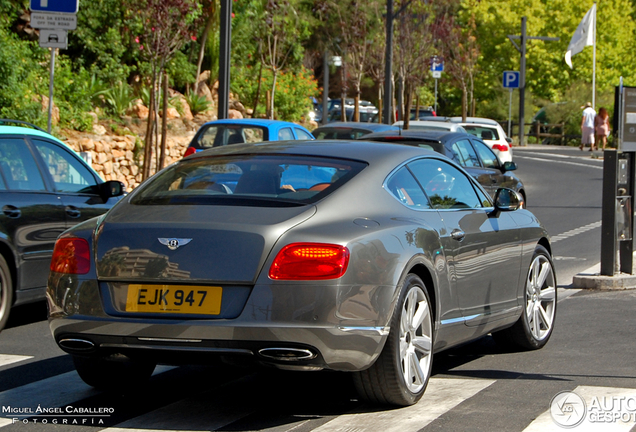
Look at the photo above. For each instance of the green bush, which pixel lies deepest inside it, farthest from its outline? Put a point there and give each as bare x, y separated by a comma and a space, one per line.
197, 103
293, 91
119, 98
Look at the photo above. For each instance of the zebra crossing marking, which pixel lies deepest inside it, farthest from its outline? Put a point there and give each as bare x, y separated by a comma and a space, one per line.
442, 395
7, 359
59, 390
544, 422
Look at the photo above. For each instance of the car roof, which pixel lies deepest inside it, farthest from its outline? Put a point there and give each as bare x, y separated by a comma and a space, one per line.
366, 151
470, 120
253, 122
356, 125
429, 135
20, 130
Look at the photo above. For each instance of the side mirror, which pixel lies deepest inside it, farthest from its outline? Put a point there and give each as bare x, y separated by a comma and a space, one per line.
509, 166
507, 200
111, 188
509, 140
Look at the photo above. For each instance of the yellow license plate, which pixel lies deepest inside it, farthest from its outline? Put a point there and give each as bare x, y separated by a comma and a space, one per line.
174, 299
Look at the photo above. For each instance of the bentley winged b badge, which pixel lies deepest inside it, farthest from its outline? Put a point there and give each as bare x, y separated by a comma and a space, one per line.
174, 243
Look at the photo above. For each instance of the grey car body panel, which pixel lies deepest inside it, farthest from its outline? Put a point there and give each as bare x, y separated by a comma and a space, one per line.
346, 320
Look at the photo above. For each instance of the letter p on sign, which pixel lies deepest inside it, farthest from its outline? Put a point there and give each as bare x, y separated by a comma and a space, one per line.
511, 79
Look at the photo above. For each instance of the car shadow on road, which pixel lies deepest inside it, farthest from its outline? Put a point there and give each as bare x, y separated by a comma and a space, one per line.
27, 314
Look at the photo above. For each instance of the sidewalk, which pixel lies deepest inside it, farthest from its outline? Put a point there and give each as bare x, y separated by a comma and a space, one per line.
592, 279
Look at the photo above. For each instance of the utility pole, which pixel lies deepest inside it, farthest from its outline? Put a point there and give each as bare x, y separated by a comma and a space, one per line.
522, 71
387, 114
224, 59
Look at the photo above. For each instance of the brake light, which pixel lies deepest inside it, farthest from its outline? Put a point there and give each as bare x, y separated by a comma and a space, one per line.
309, 261
189, 151
71, 256
500, 147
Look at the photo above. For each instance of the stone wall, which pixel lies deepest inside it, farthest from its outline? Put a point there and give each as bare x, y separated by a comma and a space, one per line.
114, 158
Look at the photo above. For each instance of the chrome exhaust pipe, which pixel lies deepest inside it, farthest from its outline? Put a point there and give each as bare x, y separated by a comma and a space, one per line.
76, 344
287, 354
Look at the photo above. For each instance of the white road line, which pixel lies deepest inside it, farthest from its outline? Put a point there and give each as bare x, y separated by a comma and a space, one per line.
576, 231
561, 162
207, 411
604, 395
442, 395
7, 359
523, 152
57, 391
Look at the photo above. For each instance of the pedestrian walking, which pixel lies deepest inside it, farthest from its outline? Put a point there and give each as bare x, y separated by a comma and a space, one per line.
602, 127
587, 126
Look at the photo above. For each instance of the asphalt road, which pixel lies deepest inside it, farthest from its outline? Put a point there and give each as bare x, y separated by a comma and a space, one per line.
479, 386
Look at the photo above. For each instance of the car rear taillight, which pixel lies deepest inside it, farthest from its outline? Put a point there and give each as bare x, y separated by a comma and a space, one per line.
72, 256
189, 151
500, 147
309, 261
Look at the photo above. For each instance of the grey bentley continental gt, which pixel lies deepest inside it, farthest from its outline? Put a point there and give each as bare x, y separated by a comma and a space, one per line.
359, 256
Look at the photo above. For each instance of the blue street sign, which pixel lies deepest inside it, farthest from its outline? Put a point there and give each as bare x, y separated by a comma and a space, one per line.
437, 66
511, 79
55, 6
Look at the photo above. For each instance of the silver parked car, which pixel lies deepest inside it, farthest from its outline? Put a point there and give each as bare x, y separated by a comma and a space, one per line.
365, 257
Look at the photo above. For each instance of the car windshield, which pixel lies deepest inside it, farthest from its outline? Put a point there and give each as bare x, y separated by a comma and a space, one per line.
265, 180
482, 132
221, 135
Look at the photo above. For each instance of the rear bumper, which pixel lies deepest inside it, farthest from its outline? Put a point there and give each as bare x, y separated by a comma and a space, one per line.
289, 347
342, 327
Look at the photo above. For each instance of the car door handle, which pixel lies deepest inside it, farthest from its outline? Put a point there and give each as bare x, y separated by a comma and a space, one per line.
73, 212
458, 234
11, 211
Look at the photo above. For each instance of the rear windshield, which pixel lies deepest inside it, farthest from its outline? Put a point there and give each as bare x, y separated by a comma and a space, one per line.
221, 135
254, 180
483, 132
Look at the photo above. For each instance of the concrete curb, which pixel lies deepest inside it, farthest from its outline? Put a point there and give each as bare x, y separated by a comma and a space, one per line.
592, 279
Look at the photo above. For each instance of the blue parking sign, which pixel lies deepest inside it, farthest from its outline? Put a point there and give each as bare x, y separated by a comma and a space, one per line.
511, 79
55, 6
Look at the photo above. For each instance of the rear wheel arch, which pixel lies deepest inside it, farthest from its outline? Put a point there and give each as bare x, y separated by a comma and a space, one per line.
424, 273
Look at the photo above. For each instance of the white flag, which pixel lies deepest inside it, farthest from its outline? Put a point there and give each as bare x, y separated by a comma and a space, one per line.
583, 36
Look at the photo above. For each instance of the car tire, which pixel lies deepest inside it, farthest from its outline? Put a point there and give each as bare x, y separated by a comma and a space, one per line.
114, 372
6, 292
401, 373
536, 323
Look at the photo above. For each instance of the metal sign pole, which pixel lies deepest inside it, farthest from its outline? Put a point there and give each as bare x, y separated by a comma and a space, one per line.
52, 74
435, 95
509, 111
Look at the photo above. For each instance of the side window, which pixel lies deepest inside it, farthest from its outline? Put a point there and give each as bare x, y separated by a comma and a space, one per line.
303, 135
68, 172
285, 134
465, 154
487, 156
18, 167
446, 186
403, 186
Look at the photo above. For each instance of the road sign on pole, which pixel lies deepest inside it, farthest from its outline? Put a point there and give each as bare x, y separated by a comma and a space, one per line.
53, 38
46, 20
511, 79
437, 64
58, 6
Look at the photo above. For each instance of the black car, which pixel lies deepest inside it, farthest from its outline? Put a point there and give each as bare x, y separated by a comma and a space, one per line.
467, 150
45, 189
350, 130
